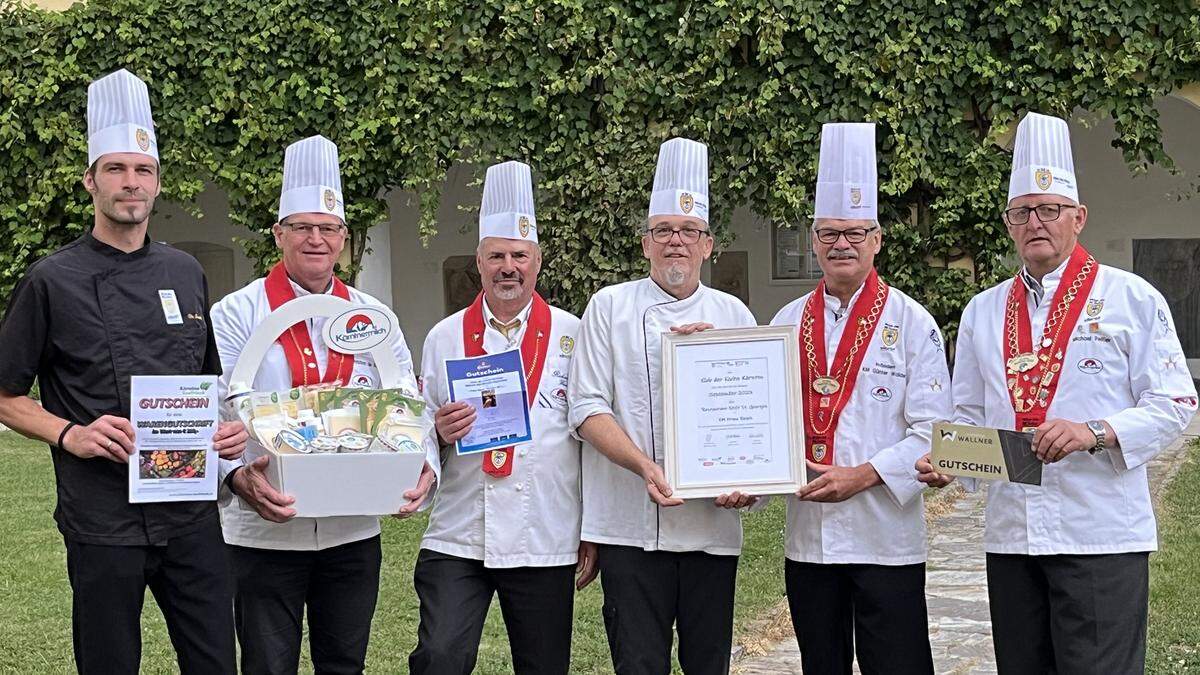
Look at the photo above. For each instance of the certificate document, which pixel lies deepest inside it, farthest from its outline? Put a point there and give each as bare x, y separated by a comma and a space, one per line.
174, 419
732, 412
494, 384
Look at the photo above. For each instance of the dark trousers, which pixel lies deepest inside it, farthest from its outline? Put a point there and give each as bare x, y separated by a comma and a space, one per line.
1069, 613
189, 577
537, 604
339, 585
646, 592
876, 611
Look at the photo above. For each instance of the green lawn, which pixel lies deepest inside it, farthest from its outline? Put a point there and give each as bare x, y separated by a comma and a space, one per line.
1174, 635
35, 600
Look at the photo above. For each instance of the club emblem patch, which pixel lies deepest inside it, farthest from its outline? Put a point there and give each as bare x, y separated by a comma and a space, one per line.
686, 202
330, 200
567, 344
890, 334
523, 226
1043, 178
143, 139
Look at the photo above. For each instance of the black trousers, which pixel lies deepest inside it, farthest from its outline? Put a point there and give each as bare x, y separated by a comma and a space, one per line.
646, 592
189, 577
339, 585
537, 604
876, 611
1069, 613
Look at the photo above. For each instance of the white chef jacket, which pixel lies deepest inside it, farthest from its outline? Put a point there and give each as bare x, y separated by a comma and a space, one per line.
618, 371
903, 387
234, 319
531, 517
1124, 365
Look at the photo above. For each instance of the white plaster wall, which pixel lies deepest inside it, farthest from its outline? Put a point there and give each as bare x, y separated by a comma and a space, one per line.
171, 223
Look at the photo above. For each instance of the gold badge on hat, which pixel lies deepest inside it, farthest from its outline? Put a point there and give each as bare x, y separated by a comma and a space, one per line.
1044, 178
330, 200
855, 196
523, 226
890, 334
686, 202
143, 139
566, 344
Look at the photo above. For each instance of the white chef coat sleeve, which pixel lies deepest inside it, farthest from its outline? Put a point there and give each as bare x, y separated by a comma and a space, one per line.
967, 384
1159, 380
232, 331
408, 382
591, 383
432, 374
926, 400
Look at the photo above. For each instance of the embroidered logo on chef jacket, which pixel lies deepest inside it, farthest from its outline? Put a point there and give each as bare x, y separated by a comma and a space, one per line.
1162, 321
935, 384
890, 334
1090, 366
567, 344
881, 394
1094, 307
936, 339
1171, 363
363, 380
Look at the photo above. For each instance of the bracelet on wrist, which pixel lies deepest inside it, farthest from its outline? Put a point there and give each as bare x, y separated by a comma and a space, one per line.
63, 434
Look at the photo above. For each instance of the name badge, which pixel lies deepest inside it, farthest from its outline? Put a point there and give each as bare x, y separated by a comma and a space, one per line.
170, 307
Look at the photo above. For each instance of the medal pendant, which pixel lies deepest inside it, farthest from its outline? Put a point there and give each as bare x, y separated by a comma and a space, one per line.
824, 401
1055, 367
1046, 342
818, 451
498, 458
826, 385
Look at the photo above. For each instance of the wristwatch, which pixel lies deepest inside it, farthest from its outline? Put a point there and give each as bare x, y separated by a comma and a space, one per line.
1097, 428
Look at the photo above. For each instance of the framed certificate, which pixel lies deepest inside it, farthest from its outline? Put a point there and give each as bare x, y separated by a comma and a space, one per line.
731, 407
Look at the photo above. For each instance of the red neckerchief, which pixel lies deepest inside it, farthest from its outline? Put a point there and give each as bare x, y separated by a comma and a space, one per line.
1032, 370
499, 461
824, 408
297, 343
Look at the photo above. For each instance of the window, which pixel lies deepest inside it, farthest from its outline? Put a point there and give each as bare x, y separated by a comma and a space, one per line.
792, 254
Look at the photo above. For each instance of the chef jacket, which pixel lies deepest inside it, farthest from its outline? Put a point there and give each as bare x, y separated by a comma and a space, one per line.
618, 371
903, 387
1124, 365
234, 319
82, 321
531, 517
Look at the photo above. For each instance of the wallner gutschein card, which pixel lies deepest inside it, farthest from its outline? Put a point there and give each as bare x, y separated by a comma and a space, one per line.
988, 454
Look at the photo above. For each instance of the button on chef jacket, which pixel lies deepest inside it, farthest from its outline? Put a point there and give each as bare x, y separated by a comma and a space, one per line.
1124, 365
83, 320
234, 319
531, 517
902, 389
618, 371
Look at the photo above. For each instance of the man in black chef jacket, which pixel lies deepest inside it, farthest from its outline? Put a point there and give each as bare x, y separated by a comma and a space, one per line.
83, 320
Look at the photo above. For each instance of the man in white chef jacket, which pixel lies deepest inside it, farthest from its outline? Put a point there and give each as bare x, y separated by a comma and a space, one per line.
874, 377
283, 564
662, 562
1087, 356
505, 521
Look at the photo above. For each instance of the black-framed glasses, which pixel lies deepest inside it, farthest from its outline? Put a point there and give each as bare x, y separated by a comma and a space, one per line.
688, 235
1046, 213
326, 230
854, 235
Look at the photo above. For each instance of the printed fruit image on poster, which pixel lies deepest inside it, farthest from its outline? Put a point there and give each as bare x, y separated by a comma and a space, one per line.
171, 464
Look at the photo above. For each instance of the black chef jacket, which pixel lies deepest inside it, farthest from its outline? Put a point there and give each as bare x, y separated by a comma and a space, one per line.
82, 321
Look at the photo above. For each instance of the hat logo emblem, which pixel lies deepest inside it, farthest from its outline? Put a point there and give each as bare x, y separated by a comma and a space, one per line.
1044, 178
855, 196
143, 139
523, 226
686, 202
330, 200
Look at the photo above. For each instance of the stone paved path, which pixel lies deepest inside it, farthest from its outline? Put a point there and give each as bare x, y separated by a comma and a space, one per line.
956, 584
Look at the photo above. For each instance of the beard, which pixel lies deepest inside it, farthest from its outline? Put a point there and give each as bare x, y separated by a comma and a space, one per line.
127, 213
675, 274
506, 293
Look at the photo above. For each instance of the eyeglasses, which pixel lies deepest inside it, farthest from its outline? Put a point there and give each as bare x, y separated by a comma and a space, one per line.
1046, 213
326, 230
854, 235
688, 235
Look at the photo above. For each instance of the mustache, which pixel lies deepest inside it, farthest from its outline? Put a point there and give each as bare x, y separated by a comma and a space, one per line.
515, 276
842, 254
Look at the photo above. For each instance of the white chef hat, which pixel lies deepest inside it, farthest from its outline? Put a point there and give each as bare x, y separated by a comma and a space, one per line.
507, 207
312, 182
681, 180
118, 117
847, 181
1042, 162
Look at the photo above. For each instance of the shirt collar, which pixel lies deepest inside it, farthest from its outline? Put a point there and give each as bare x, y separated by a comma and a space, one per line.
1038, 289
523, 315
302, 291
113, 252
833, 304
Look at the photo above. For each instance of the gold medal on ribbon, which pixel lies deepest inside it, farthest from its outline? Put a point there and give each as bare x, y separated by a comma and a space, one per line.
1022, 362
819, 451
499, 457
826, 386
